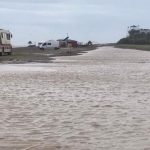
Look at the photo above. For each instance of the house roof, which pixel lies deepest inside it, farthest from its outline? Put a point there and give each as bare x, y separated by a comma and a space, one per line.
71, 40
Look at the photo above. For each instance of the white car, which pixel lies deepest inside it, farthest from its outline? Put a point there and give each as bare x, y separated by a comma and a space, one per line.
51, 44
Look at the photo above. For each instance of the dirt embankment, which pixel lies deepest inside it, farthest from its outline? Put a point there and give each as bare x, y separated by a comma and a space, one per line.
34, 54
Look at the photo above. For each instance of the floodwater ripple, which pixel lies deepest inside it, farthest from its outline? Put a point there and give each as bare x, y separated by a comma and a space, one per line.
96, 101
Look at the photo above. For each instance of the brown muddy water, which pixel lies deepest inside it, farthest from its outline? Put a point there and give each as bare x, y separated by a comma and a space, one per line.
97, 101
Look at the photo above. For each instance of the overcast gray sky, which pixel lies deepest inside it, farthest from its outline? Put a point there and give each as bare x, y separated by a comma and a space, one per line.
96, 20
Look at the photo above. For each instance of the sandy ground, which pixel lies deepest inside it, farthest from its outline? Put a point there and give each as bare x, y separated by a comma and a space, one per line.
95, 101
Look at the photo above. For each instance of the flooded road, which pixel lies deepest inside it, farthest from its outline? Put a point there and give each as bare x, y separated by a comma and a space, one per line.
96, 101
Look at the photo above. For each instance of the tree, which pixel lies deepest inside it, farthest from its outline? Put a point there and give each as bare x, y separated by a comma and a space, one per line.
90, 43
30, 42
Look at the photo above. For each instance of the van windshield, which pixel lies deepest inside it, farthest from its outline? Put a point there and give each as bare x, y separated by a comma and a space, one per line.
0, 39
8, 36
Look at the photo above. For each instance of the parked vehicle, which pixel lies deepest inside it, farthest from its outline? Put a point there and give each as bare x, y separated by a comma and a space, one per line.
51, 44
5, 42
39, 44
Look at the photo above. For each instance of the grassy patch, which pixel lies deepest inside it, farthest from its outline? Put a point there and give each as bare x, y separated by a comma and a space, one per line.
33, 54
137, 47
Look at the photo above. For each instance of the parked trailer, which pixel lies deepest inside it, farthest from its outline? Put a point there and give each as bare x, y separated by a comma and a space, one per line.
5, 42
51, 44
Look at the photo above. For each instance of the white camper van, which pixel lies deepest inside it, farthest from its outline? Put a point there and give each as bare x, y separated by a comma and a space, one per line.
5, 42
51, 44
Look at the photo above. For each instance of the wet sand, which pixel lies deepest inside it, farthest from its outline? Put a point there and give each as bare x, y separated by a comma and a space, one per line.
95, 101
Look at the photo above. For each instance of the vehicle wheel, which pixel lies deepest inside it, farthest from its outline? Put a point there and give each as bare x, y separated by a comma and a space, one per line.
3, 51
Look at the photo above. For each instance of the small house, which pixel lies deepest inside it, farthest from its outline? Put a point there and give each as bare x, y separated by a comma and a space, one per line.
73, 43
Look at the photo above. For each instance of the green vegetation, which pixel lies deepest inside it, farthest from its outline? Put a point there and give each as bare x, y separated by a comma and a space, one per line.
133, 46
34, 54
136, 37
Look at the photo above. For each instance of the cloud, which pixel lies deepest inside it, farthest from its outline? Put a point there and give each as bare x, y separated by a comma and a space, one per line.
100, 20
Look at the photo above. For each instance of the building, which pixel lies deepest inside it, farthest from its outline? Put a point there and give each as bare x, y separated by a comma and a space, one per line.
73, 43
65, 42
134, 27
138, 29
62, 43
146, 31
